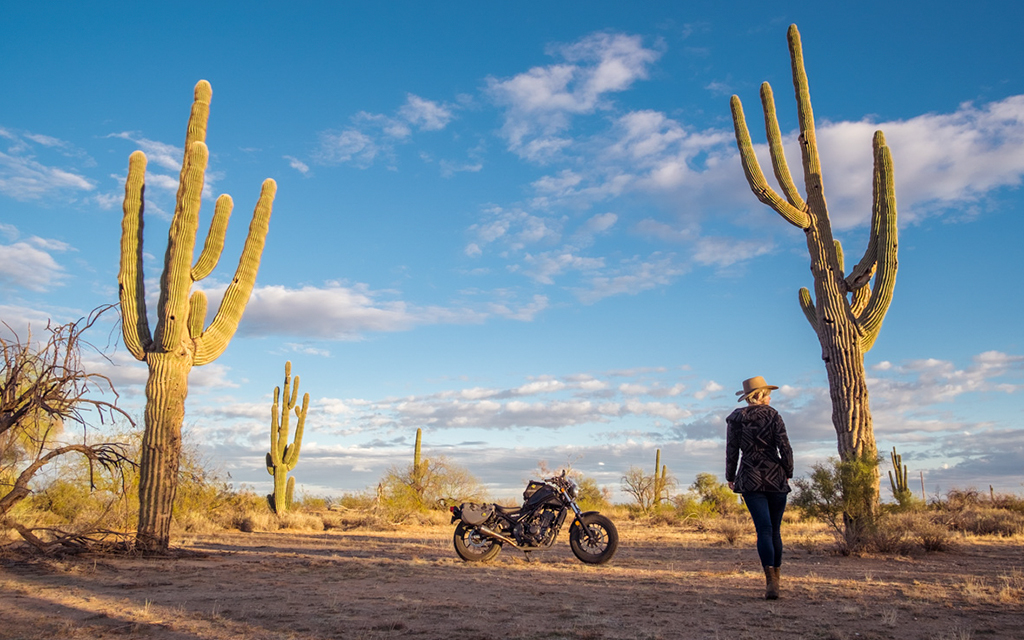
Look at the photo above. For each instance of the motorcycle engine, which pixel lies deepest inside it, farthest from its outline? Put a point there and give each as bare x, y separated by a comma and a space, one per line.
535, 530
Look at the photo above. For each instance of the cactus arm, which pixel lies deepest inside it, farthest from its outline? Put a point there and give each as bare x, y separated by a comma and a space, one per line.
860, 300
840, 259
864, 270
807, 305
216, 338
755, 177
131, 286
214, 239
771, 125
200, 115
291, 455
274, 456
813, 181
870, 319
196, 314
177, 276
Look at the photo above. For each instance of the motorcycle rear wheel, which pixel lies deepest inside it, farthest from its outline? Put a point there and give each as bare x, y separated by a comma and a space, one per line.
472, 546
600, 545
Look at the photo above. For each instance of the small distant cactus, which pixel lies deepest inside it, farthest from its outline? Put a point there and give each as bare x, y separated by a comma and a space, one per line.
660, 479
283, 456
900, 486
420, 467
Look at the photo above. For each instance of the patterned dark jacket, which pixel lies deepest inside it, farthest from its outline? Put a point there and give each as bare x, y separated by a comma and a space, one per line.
758, 432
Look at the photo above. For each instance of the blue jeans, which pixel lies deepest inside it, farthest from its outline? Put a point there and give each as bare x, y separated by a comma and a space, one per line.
766, 509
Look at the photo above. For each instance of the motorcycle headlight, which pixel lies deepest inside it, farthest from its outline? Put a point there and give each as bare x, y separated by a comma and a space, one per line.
572, 489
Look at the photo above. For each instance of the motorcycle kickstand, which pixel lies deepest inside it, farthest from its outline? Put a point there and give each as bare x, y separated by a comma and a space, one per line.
526, 554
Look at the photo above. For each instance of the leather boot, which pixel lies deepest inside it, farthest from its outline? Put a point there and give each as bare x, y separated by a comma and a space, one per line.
771, 590
778, 577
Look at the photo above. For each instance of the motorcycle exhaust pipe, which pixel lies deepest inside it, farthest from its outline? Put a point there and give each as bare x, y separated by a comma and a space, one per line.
497, 536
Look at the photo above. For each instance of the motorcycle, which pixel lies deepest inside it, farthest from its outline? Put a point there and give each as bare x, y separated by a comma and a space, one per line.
484, 528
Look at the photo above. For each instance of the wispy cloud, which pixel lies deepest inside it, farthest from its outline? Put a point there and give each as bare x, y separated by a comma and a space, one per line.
348, 312
24, 177
29, 263
540, 103
374, 136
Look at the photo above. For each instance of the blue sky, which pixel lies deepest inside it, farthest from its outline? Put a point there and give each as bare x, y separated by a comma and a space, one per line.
523, 226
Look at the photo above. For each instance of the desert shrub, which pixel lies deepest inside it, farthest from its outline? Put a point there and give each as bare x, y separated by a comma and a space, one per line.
591, 496
892, 534
250, 521
692, 512
1008, 501
402, 494
731, 528
300, 521
841, 493
309, 503
716, 495
933, 536
986, 521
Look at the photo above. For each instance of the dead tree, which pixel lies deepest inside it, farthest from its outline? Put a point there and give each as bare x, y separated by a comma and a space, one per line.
44, 386
846, 311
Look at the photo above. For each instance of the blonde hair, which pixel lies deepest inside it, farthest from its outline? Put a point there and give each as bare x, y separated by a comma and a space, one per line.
758, 396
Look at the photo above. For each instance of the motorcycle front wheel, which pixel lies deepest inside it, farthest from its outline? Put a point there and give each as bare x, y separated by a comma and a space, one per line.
595, 540
472, 546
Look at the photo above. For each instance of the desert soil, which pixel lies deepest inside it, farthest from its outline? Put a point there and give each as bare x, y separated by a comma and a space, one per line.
663, 583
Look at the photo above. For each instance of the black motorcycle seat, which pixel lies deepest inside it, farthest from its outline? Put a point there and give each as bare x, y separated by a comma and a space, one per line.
501, 509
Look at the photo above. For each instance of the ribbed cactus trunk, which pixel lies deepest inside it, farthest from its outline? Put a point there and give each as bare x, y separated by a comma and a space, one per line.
182, 339
161, 445
845, 312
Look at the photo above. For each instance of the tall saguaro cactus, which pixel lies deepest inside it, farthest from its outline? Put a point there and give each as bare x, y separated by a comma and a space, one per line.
846, 312
182, 339
283, 456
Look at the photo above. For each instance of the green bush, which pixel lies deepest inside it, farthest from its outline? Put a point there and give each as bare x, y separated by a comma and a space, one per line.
842, 494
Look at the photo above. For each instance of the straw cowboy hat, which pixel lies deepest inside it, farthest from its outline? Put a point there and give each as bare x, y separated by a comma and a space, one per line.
751, 385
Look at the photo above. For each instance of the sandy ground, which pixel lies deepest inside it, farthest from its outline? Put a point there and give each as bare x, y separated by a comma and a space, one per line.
663, 583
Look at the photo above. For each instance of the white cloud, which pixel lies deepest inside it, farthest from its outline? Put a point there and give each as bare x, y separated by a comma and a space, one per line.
540, 103
166, 156
631, 278
426, 114
23, 178
339, 312
29, 264
349, 145
723, 252
543, 267
939, 160
374, 135
297, 164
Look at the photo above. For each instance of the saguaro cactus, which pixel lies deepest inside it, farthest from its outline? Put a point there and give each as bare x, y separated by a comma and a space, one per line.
660, 479
420, 468
283, 456
900, 485
846, 312
180, 341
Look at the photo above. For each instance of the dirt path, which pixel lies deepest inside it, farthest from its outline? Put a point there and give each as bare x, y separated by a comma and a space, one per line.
370, 585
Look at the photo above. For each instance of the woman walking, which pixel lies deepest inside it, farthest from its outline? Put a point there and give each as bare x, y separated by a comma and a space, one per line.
757, 431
